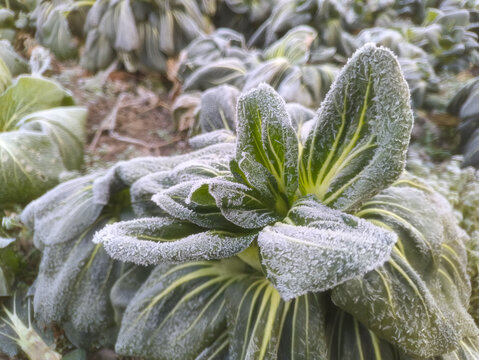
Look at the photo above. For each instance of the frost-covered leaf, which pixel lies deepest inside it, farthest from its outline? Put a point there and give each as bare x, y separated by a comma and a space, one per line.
359, 142
218, 108
263, 326
143, 190
53, 30
241, 205
151, 241
294, 46
351, 340
211, 138
223, 71
418, 299
307, 84
192, 201
63, 213
66, 127
299, 114
125, 173
29, 94
180, 311
271, 72
316, 248
468, 350
266, 136
125, 288
30, 166
74, 281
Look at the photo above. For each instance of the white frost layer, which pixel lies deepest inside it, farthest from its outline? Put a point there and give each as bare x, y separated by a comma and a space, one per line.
121, 243
331, 249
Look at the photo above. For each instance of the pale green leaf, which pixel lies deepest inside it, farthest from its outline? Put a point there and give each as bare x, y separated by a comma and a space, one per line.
66, 128
29, 94
30, 166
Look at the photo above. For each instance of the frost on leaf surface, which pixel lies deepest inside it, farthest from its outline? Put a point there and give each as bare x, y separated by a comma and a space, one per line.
151, 241
143, 190
62, 213
359, 141
240, 204
418, 299
125, 173
192, 201
266, 135
179, 311
211, 138
73, 284
316, 248
264, 326
218, 108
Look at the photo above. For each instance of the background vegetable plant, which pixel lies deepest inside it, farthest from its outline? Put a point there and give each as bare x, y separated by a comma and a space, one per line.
232, 234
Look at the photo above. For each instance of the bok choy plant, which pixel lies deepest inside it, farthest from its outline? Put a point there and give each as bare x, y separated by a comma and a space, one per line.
141, 33
41, 135
273, 247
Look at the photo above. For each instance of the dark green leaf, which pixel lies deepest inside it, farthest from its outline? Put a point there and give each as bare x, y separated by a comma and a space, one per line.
359, 142
151, 241
265, 135
180, 312
316, 248
418, 299
263, 326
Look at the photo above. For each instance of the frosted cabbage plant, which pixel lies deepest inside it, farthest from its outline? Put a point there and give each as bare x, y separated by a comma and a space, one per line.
277, 247
286, 65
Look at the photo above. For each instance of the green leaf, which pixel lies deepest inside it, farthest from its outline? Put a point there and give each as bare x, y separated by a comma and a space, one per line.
418, 299
53, 30
266, 135
15, 63
241, 205
66, 127
74, 282
223, 71
192, 201
30, 166
263, 326
359, 142
294, 46
351, 340
63, 214
151, 241
5, 76
180, 311
468, 350
29, 94
316, 248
